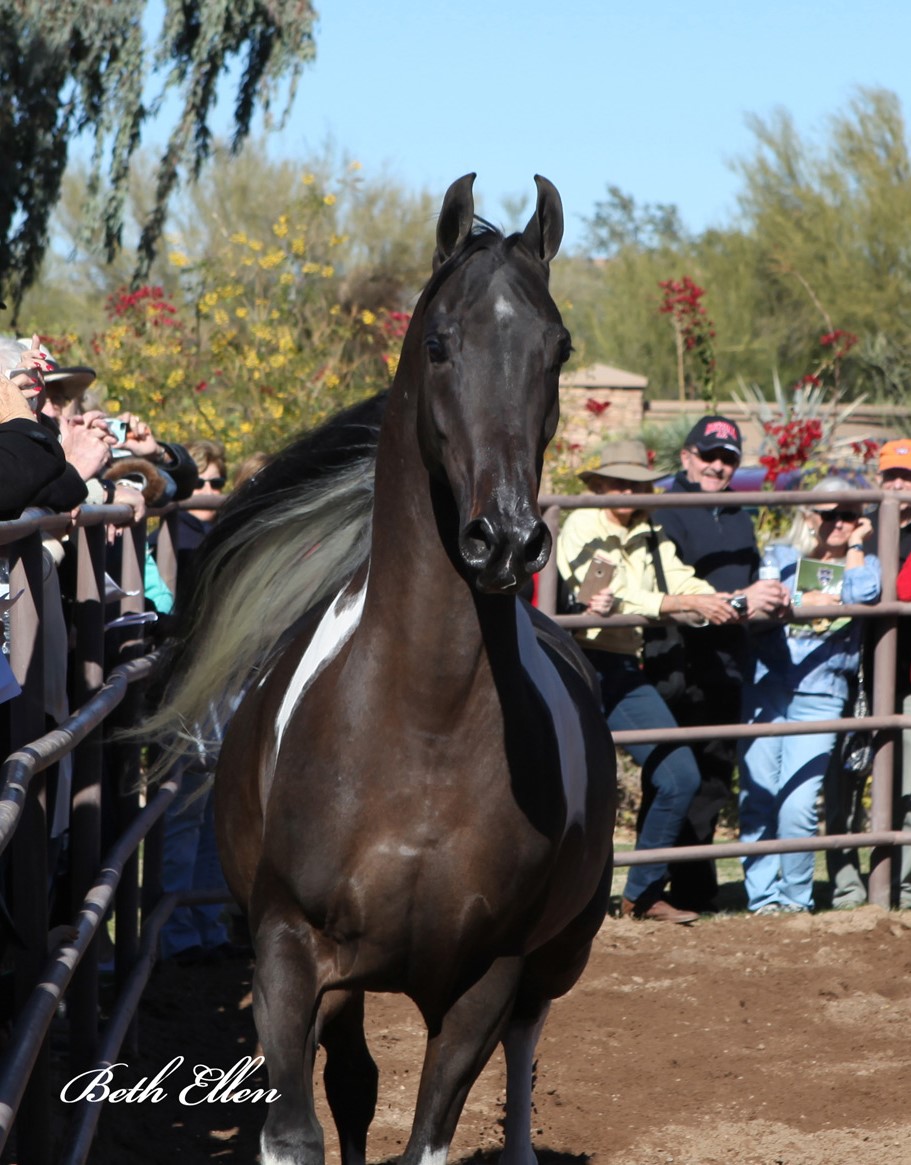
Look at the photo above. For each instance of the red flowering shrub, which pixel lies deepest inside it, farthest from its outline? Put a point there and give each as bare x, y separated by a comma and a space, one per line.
794, 443
840, 341
799, 429
693, 332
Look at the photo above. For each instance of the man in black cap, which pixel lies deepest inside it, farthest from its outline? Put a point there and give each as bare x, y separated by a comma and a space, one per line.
720, 544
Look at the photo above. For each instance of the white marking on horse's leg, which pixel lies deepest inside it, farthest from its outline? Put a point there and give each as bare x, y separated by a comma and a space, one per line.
434, 1157
334, 629
519, 1043
269, 1158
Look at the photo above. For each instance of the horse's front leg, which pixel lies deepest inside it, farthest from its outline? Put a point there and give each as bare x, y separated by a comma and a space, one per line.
350, 1075
454, 1058
519, 1043
285, 994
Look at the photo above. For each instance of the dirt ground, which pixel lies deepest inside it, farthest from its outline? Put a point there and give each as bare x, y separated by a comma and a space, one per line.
755, 1041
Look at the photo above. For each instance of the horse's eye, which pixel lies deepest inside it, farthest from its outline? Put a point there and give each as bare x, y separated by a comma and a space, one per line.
563, 353
436, 349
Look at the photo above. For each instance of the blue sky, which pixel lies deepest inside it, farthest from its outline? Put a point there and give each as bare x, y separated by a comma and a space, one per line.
649, 96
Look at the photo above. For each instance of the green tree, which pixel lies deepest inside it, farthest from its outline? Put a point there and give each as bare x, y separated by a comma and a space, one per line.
79, 67
831, 224
619, 222
822, 244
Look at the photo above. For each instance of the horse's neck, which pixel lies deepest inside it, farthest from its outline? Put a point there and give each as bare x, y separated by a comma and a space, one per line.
418, 608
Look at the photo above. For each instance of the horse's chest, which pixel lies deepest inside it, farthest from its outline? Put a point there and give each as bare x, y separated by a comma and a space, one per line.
563, 720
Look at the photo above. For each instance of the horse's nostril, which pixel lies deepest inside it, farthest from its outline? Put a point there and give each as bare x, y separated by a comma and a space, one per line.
537, 548
477, 543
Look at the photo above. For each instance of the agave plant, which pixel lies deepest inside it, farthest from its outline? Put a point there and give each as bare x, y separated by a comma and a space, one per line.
799, 433
799, 428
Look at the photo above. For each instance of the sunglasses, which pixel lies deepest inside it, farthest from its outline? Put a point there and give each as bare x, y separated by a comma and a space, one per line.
211, 482
728, 456
837, 515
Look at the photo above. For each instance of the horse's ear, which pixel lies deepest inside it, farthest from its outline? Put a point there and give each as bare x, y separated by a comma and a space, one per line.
544, 232
456, 219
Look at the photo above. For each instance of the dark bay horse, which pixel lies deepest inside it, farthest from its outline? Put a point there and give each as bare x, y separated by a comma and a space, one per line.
417, 794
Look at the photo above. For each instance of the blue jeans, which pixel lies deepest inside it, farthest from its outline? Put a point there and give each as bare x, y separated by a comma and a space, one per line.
670, 776
780, 779
190, 862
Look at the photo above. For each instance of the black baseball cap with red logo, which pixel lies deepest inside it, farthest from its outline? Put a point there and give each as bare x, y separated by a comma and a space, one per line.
715, 433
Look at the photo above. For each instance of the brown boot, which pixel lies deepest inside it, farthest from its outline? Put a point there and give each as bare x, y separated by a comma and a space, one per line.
659, 911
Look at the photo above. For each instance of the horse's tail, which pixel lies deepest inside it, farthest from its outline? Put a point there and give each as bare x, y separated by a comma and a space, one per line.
286, 543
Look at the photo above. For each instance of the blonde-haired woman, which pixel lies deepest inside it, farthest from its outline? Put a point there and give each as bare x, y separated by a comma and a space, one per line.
803, 672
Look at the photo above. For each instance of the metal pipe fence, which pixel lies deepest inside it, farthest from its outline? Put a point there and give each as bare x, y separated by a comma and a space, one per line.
884, 721
64, 636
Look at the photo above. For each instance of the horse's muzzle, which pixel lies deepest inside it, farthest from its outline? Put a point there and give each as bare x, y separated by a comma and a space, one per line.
502, 559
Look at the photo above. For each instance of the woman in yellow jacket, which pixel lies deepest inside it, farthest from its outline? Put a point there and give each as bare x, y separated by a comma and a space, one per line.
625, 538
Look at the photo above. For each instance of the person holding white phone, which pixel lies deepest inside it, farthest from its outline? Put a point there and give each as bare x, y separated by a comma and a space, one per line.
624, 537
29, 457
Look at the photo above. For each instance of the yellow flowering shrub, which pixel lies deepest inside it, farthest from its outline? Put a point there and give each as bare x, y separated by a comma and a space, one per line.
257, 341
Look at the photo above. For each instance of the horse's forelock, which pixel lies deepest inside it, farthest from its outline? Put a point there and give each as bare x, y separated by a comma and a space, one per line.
484, 237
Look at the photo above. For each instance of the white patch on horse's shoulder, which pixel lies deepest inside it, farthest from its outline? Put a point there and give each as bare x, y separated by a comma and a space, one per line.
335, 628
398, 850
434, 1157
502, 308
564, 713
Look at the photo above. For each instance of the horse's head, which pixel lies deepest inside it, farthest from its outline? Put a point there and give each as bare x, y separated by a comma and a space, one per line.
492, 345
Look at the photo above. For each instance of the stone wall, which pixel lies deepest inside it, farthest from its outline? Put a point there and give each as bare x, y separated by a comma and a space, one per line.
629, 409
624, 415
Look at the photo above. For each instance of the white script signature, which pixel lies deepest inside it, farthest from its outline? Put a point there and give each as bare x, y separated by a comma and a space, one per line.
209, 1086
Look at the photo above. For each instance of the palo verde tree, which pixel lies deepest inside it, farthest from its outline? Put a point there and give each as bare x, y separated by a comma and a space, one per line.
831, 223
77, 67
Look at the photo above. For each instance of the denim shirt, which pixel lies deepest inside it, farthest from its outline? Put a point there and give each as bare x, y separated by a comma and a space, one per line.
820, 662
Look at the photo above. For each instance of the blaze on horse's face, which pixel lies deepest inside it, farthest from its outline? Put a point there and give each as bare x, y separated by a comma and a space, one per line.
493, 346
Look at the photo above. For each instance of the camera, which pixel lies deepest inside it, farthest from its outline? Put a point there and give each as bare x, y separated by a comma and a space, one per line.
118, 428
740, 603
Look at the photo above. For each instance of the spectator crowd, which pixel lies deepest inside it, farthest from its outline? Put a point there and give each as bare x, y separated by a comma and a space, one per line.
729, 635
60, 451
737, 634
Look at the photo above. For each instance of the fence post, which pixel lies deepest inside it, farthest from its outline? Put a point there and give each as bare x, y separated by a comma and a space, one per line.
547, 579
124, 758
85, 825
884, 666
166, 550
28, 848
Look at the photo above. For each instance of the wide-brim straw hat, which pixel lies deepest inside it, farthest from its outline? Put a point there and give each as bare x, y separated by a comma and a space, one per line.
626, 460
69, 382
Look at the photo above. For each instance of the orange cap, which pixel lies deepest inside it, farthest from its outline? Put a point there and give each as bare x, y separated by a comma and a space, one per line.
895, 455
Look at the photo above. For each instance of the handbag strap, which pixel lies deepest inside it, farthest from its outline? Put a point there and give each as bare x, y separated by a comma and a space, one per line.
860, 690
652, 538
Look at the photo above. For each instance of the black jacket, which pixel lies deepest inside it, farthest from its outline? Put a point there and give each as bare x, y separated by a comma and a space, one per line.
30, 459
720, 545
